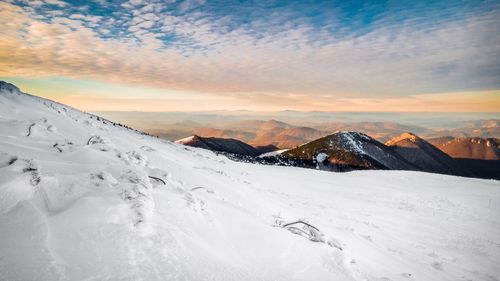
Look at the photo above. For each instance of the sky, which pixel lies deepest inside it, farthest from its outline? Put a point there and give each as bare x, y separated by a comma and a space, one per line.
195, 55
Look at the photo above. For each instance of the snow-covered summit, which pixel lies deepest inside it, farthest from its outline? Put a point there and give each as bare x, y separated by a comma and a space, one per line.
8, 88
354, 140
404, 136
82, 198
187, 139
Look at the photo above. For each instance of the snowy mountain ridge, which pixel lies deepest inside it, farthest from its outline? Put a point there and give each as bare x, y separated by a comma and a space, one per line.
82, 198
347, 150
233, 146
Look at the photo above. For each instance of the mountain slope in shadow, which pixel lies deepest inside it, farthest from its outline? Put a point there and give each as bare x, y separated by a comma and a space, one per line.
425, 156
233, 146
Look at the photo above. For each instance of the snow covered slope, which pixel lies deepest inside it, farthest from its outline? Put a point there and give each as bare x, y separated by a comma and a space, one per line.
82, 199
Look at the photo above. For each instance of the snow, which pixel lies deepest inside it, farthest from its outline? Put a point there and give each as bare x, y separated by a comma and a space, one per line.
272, 153
321, 157
185, 140
92, 211
352, 141
404, 136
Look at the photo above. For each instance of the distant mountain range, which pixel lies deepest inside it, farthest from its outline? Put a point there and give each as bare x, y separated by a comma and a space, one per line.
489, 128
287, 136
381, 131
348, 150
471, 148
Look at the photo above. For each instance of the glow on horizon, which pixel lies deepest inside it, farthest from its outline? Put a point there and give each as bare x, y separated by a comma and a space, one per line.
97, 96
197, 55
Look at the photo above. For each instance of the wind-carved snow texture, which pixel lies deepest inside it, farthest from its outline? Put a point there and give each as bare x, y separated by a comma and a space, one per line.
351, 141
64, 146
136, 191
134, 158
41, 128
20, 177
100, 143
83, 198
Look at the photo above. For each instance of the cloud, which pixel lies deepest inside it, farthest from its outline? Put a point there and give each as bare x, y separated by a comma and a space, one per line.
273, 58
189, 4
56, 3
